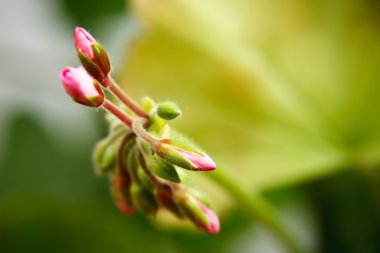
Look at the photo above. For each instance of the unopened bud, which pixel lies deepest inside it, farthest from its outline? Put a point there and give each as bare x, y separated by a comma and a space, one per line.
81, 87
92, 55
168, 110
198, 212
184, 156
83, 41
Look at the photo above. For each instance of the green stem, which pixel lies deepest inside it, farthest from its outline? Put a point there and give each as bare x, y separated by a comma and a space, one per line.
258, 208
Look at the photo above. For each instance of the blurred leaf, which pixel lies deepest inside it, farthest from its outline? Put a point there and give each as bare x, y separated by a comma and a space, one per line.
279, 92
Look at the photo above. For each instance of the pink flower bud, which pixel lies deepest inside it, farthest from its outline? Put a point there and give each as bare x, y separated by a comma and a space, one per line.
83, 42
212, 226
199, 214
185, 157
81, 87
200, 161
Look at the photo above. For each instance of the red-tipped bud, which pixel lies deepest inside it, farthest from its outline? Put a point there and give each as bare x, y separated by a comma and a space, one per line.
83, 41
81, 87
198, 213
185, 157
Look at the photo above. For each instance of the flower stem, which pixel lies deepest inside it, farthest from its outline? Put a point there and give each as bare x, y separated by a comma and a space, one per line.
139, 130
107, 105
123, 97
258, 208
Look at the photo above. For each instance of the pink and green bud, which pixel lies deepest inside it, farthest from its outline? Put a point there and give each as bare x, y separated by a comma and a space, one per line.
81, 87
184, 156
83, 41
92, 55
199, 213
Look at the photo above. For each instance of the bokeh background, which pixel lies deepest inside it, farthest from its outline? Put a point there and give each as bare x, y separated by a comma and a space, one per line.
284, 95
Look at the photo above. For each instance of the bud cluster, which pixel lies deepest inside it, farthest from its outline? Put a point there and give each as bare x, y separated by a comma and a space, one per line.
142, 154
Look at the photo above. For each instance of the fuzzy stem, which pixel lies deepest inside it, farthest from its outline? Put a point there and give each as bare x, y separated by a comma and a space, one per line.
107, 105
258, 208
138, 128
123, 97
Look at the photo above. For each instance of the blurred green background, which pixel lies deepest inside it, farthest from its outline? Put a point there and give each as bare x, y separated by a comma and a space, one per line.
284, 95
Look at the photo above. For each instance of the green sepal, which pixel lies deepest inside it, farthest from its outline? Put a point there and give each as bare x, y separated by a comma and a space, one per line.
104, 154
170, 155
144, 180
101, 58
143, 199
168, 110
163, 169
91, 67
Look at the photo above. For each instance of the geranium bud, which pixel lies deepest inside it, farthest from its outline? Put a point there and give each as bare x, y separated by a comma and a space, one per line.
92, 55
198, 213
81, 87
83, 41
101, 58
184, 156
168, 110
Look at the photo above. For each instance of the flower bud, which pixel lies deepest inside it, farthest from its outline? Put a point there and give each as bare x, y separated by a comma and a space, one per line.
168, 110
121, 188
184, 156
198, 212
83, 41
81, 87
92, 55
